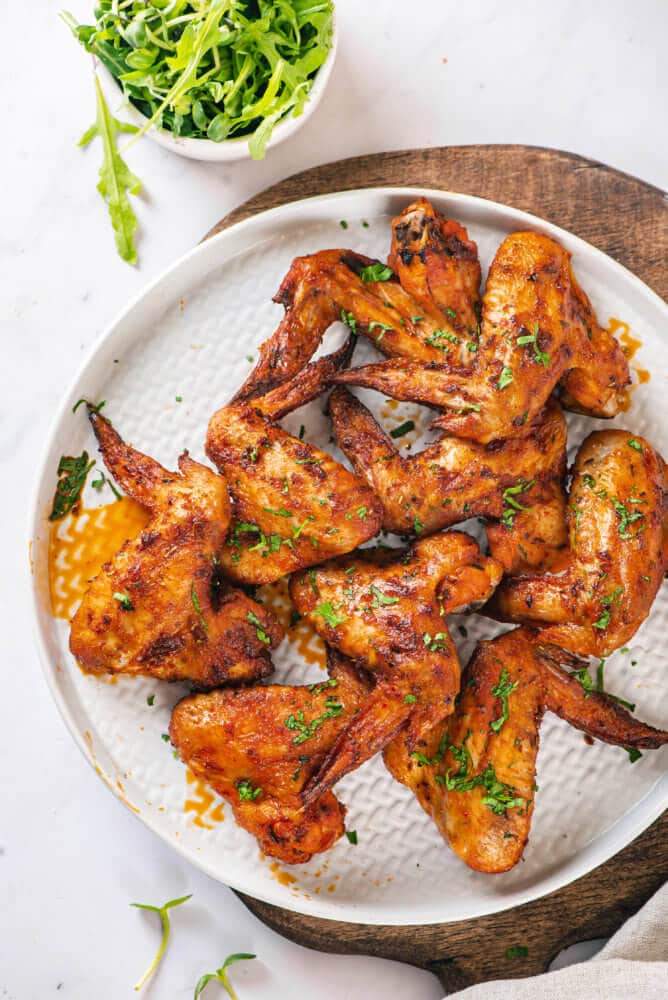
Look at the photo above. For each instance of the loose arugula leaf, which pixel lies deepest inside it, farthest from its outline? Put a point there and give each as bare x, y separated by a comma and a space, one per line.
221, 975
162, 912
116, 178
72, 472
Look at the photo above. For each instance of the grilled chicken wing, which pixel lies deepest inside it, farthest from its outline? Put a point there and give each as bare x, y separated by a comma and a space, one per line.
475, 773
258, 748
538, 329
162, 607
617, 520
519, 481
422, 312
293, 505
385, 609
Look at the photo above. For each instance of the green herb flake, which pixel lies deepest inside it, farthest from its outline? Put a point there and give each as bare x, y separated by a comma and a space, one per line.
246, 791
502, 690
397, 432
505, 378
409, 699
343, 224
632, 443
381, 600
124, 601
540, 357
351, 836
150, 700
196, 605
634, 754
296, 722
259, 631
327, 611
72, 473
376, 272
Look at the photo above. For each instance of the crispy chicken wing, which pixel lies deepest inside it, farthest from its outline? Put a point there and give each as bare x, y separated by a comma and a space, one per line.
617, 520
385, 609
258, 748
293, 505
162, 607
519, 481
475, 773
538, 329
422, 312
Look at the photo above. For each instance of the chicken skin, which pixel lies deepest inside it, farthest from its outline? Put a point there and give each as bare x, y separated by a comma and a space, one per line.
161, 607
293, 505
475, 773
385, 608
425, 309
617, 558
538, 330
516, 481
258, 747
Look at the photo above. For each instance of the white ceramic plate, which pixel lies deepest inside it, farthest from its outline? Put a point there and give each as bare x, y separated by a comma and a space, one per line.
189, 335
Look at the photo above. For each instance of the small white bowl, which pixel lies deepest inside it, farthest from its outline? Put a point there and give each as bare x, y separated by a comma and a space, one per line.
228, 150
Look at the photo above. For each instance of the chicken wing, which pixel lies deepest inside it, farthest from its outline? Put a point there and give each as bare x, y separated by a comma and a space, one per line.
385, 609
538, 329
617, 558
423, 312
258, 747
475, 773
519, 481
162, 607
293, 505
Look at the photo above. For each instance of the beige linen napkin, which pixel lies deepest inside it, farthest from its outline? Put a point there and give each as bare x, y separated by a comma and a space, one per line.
632, 966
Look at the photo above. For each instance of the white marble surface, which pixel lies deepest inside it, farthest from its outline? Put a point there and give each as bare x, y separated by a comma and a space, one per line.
591, 78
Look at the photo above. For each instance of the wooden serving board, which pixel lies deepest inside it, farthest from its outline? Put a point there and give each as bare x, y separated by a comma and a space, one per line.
627, 219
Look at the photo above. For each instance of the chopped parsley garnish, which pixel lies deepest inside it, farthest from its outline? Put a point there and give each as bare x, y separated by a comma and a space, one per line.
435, 339
626, 518
352, 836
124, 601
328, 611
582, 675
259, 631
589, 480
246, 791
603, 621
318, 688
196, 605
343, 224
376, 272
349, 320
150, 700
381, 600
409, 699
280, 512
94, 408
375, 325
72, 472
600, 687
540, 357
634, 754
418, 526
508, 516
499, 797
436, 642
416, 319
305, 730
450, 312
397, 432
502, 690
505, 378
632, 443
179, 399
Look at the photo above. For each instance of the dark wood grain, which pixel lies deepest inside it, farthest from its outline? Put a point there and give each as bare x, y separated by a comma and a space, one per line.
627, 219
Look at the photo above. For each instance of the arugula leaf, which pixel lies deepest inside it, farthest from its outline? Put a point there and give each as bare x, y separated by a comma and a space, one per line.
162, 912
220, 975
116, 178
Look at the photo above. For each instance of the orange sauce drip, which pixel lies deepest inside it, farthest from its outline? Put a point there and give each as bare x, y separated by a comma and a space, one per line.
285, 878
81, 543
205, 806
630, 345
309, 645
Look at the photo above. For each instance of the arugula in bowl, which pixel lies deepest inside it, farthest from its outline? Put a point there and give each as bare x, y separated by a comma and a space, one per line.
212, 69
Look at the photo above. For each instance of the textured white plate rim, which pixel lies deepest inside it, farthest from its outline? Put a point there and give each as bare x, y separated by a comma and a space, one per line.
607, 843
